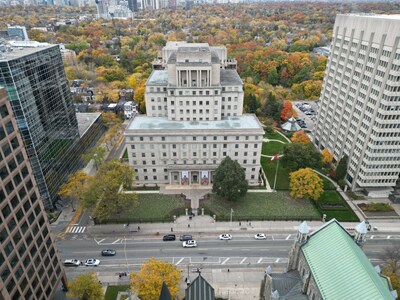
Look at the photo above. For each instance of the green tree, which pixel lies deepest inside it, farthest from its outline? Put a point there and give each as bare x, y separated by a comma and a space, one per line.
85, 287
305, 183
104, 196
251, 103
230, 180
300, 155
148, 281
341, 168
97, 154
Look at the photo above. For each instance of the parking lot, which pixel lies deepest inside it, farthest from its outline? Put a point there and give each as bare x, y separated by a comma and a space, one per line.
307, 114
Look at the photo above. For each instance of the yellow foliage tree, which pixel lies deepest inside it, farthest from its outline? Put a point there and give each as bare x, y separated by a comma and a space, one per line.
327, 157
305, 183
86, 287
75, 186
300, 137
148, 282
132, 81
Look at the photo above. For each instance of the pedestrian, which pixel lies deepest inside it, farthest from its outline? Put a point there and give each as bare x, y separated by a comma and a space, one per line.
188, 225
172, 230
138, 228
249, 223
127, 224
240, 223
125, 274
228, 270
120, 275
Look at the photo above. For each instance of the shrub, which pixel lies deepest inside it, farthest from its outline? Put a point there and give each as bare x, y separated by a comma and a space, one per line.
269, 129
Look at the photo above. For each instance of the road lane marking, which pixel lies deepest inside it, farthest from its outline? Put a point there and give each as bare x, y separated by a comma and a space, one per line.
99, 242
115, 242
260, 260
372, 237
388, 237
277, 260
225, 261
179, 261
243, 260
288, 237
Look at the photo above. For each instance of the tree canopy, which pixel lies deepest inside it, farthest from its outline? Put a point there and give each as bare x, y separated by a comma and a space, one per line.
305, 183
341, 168
300, 137
86, 287
103, 196
230, 180
75, 186
300, 155
148, 281
327, 157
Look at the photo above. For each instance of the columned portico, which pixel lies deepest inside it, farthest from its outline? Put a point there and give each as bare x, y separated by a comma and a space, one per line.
191, 177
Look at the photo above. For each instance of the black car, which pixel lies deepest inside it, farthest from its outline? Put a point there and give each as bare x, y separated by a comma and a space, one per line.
169, 237
108, 252
185, 237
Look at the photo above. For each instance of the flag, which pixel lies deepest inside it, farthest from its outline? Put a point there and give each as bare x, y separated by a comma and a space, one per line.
276, 156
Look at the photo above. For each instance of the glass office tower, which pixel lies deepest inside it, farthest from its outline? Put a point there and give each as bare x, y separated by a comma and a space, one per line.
38, 91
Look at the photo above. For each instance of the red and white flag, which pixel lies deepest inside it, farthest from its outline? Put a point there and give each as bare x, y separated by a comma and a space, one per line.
276, 156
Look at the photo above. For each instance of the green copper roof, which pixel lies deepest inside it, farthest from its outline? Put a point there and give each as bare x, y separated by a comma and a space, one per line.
340, 267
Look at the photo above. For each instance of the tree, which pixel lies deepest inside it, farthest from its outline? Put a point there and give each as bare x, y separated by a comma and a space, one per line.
97, 154
327, 157
391, 267
86, 287
300, 137
299, 155
288, 111
305, 183
104, 197
341, 168
75, 186
230, 180
132, 81
148, 282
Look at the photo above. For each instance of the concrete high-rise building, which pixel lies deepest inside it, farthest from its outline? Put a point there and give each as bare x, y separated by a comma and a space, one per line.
30, 267
37, 88
359, 112
194, 103
17, 32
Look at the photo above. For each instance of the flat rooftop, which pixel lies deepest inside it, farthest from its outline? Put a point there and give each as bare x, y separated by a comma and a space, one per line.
377, 16
18, 52
85, 121
159, 123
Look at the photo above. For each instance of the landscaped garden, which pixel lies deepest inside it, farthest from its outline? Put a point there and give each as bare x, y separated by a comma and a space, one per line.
271, 148
275, 136
112, 291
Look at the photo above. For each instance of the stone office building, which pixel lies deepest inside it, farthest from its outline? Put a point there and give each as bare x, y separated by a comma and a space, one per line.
194, 102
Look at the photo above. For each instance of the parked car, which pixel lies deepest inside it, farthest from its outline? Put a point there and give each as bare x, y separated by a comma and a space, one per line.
92, 262
189, 244
225, 236
108, 252
185, 237
260, 236
169, 237
72, 262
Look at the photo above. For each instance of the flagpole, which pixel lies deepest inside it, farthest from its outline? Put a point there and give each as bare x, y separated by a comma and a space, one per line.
276, 173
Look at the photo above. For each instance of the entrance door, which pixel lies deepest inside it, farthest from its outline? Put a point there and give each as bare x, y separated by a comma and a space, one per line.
195, 177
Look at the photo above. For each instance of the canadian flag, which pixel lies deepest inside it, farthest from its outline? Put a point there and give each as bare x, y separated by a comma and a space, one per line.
276, 156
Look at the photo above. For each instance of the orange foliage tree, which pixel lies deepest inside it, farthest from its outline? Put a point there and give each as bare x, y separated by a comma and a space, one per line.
300, 137
327, 157
288, 111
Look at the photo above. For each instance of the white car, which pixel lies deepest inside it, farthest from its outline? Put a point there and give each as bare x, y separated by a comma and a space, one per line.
189, 244
225, 236
260, 236
92, 262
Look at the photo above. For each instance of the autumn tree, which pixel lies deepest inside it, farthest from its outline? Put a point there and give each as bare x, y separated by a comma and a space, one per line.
299, 155
305, 183
85, 287
391, 266
104, 196
300, 137
288, 111
97, 153
230, 180
148, 281
327, 157
75, 185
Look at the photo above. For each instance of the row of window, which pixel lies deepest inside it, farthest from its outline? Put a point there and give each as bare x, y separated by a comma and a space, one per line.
194, 162
193, 138
166, 178
193, 146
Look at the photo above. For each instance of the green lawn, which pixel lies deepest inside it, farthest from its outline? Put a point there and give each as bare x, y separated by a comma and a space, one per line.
275, 136
334, 206
153, 208
272, 148
261, 206
269, 167
112, 291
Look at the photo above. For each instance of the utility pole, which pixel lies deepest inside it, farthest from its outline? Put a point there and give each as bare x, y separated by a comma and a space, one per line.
231, 216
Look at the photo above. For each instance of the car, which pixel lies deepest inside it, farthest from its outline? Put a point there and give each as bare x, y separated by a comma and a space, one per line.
72, 262
185, 237
169, 237
189, 244
260, 236
108, 252
225, 236
92, 262
303, 126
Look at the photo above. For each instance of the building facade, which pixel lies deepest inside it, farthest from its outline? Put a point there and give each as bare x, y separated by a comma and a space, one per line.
30, 267
37, 88
359, 113
194, 102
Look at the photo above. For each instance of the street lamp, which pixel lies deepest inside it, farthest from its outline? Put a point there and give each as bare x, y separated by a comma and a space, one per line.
231, 216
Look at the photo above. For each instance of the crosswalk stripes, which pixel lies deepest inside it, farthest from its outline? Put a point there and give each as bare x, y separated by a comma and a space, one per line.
75, 229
